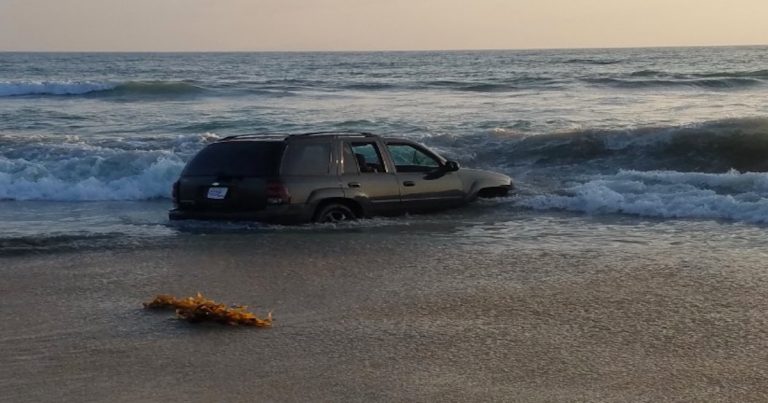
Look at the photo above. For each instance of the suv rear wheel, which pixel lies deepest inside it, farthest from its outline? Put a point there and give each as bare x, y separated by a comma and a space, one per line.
334, 212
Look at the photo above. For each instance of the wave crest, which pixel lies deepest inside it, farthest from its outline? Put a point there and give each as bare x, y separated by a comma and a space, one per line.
721, 80
710, 83
8, 89
714, 146
129, 88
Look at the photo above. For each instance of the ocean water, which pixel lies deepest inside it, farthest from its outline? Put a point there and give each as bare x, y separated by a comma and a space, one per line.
629, 264
90, 143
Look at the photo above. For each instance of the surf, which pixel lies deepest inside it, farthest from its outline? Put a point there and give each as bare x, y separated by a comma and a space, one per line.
732, 195
96, 88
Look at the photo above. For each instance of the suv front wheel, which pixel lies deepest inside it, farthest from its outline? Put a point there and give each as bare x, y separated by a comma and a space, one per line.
334, 212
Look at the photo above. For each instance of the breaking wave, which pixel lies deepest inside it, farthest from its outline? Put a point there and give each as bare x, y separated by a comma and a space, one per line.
111, 168
129, 88
74, 170
8, 89
668, 194
152, 182
712, 170
715, 146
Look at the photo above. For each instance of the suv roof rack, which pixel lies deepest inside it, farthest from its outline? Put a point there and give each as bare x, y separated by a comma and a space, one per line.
336, 132
272, 136
266, 136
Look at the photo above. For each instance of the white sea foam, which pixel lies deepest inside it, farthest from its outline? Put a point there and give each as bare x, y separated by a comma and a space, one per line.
52, 87
75, 170
732, 195
38, 183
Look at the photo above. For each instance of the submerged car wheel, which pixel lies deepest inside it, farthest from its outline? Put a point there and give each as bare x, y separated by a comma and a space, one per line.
334, 212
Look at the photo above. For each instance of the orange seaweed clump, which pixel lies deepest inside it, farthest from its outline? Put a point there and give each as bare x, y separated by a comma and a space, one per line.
199, 308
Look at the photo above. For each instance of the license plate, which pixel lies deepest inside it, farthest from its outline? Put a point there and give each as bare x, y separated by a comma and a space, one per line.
217, 193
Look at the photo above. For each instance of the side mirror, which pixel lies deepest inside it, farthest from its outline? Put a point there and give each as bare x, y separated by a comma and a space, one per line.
451, 166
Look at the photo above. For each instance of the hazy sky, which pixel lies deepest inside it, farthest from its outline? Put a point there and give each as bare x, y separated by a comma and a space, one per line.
188, 25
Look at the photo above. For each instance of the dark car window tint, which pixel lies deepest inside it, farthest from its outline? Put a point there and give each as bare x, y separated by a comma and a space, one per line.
307, 159
236, 158
350, 162
408, 158
368, 157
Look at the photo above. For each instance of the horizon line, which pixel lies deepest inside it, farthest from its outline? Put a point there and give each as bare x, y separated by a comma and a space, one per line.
394, 50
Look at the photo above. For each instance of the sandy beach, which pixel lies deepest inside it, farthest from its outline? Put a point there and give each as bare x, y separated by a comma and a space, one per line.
420, 312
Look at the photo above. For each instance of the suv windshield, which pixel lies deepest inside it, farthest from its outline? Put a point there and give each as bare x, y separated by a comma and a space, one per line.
408, 158
237, 158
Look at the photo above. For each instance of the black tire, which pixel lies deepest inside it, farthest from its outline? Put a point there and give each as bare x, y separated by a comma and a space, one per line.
333, 213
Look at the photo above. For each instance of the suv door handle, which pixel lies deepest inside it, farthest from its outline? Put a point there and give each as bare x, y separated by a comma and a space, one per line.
409, 183
353, 184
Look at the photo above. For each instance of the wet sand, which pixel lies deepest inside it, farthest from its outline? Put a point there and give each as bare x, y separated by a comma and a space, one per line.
367, 315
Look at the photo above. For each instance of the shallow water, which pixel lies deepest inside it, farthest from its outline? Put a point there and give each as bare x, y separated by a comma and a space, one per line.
456, 307
44, 227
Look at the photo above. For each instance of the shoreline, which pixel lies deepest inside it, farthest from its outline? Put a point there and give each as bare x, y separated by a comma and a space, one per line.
369, 315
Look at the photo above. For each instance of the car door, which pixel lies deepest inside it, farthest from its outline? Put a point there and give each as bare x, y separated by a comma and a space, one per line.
424, 184
365, 177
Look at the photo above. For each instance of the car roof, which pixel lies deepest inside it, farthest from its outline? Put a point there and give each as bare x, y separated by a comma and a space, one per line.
281, 136
286, 136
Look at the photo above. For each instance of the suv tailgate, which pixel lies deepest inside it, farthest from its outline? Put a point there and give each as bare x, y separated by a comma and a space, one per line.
230, 176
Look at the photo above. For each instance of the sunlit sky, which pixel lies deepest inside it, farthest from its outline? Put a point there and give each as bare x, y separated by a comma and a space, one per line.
291, 25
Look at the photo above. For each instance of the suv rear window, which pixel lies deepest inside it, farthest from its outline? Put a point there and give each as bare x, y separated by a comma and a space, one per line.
237, 158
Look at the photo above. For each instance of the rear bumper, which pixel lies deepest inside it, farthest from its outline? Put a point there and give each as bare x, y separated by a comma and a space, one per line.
291, 214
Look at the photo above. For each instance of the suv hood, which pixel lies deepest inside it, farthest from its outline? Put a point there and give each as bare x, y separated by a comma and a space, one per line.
488, 177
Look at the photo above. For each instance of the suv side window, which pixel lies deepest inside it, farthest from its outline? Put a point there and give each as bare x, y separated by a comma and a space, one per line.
307, 159
408, 158
350, 162
368, 157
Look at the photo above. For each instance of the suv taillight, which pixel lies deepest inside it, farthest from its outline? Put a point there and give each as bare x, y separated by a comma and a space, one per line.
277, 193
175, 193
